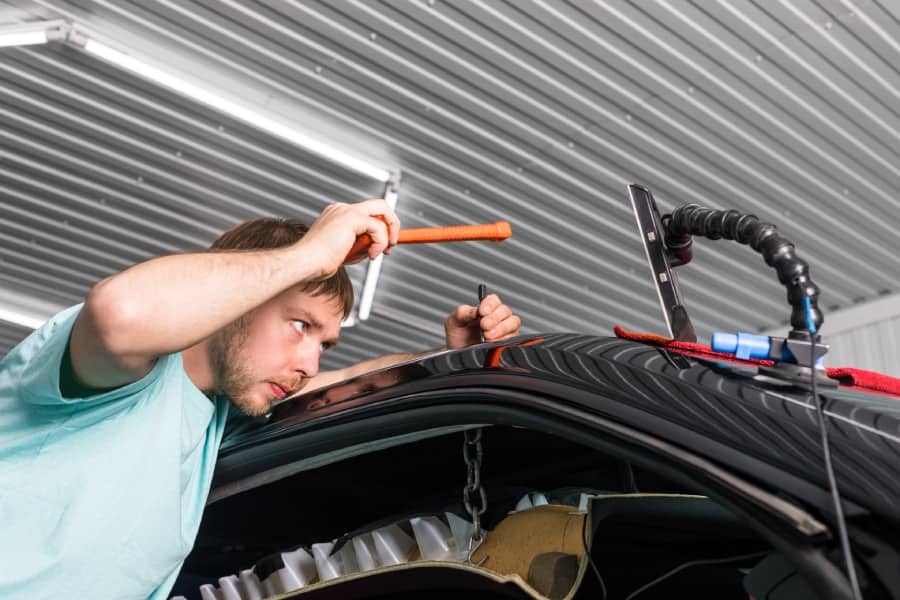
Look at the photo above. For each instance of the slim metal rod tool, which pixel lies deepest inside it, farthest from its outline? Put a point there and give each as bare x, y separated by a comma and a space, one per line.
482, 292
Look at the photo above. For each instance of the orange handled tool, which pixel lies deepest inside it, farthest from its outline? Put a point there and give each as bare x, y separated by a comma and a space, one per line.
494, 232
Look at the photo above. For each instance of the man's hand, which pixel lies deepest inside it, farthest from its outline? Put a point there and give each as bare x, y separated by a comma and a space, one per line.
465, 324
335, 231
463, 328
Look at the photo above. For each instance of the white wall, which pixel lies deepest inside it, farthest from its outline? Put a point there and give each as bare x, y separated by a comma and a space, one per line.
866, 336
875, 347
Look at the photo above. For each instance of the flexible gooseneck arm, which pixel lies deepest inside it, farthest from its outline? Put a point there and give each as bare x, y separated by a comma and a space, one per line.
793, 272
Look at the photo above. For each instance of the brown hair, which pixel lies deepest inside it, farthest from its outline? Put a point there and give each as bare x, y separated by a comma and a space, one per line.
268, 234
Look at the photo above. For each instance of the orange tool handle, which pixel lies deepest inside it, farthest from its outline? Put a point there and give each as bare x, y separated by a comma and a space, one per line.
494, 232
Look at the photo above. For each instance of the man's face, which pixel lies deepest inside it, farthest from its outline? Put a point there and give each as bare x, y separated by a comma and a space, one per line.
272, 351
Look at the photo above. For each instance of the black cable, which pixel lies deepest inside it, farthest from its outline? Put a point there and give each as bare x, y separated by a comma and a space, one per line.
587, 553
829, 469
693, 563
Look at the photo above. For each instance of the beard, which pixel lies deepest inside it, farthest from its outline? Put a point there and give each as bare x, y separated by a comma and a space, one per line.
232, 377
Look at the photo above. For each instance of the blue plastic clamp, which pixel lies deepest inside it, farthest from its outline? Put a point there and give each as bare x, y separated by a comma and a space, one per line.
742, 345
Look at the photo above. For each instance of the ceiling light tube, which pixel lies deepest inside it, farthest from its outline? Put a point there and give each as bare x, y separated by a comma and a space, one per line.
23, 38
216, 101
367, 298
23, 309
32, 34
17, 318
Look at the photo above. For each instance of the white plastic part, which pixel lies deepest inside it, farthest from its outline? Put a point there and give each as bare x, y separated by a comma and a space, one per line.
250, 585
524, 503
285, 581
326, 568
390, 545
209, 592
321, 551
462, 532
281, 581
346, 558
230, 588
583, 502
434, 538
393, 545
177, 598
531, 500
298, 571
340, 563
271, 586
364, 549
301, 564
437, 541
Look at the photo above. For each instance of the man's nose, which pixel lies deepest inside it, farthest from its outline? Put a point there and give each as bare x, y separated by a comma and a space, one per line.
306, 362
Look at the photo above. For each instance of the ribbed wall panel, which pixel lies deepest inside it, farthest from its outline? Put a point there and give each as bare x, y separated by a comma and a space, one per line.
538, 112
10, 335
874, 347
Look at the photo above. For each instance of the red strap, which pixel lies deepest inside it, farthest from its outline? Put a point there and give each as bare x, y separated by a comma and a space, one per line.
690, 348
869, 380
865, 380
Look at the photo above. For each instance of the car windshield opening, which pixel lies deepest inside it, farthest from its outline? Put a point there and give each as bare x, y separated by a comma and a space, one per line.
603, 526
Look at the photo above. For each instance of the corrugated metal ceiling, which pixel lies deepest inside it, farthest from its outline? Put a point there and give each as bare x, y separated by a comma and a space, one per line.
537, 112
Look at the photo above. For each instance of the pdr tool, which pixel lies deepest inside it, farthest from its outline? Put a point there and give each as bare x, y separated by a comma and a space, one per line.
667, 242
482, 293
494, 232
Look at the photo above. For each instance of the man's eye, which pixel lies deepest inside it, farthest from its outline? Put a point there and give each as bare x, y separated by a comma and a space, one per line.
300, 326
324, 346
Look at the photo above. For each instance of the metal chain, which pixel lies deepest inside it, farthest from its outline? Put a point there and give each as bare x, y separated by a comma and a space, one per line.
474, 497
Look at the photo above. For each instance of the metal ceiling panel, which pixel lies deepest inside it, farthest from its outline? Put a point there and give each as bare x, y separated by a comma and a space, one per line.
10, 335
538, 112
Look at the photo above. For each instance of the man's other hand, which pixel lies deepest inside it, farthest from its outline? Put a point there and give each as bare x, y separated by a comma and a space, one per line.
496, 320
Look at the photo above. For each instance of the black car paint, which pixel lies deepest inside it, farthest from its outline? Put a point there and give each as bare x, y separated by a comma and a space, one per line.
762, 430
717, 412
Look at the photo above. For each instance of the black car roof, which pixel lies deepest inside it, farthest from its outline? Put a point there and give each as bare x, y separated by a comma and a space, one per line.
722, 412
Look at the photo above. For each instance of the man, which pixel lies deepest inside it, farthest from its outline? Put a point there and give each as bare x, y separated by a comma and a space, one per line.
112, 413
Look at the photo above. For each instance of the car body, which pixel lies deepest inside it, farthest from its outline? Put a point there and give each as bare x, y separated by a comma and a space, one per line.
567, 409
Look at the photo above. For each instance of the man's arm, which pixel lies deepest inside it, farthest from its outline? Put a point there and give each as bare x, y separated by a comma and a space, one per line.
170, 303
326, 378
464, 327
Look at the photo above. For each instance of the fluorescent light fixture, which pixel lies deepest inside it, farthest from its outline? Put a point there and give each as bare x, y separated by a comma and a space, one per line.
216, 101
25, 38
24, 310
32, 34
17, 318
367, 298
